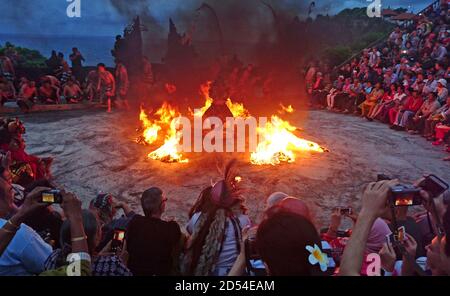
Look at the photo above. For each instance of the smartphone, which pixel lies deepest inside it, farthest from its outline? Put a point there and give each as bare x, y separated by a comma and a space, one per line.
118, 240
51, 197
434, 186
400, 237
401, 234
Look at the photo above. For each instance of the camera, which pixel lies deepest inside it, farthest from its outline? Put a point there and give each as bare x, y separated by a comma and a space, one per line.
51, 197
118, 240
409, 195
405, 196
346, 211
433, 185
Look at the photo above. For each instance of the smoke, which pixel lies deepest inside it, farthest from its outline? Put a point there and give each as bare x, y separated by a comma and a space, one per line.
242, 22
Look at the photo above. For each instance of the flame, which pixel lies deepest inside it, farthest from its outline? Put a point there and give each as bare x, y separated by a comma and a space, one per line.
204, 92
169, 152
237, 109
168, 119
150, 133
284, 109
278, 143
152, 127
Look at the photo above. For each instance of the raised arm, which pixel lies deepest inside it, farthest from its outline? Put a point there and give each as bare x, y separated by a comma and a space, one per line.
374, 202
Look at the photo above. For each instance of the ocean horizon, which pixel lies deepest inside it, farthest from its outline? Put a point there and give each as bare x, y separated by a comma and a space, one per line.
95, 49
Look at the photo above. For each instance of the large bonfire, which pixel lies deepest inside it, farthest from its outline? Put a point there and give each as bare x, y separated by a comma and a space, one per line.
277, 142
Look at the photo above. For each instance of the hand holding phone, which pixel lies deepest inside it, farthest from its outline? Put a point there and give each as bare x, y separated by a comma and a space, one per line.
118, 240
52, 196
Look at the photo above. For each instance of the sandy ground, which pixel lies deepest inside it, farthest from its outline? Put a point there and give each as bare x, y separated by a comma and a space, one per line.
95, 152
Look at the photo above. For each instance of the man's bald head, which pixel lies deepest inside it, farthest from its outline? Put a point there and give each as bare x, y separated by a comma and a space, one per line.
275, 198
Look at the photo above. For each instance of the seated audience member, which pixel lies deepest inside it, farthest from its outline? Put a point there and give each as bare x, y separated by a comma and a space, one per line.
385, 102
318, 92
27, 95
371, 100
48, 93
337, 87
26, 252
26, 168
215, 229
72, 92
286, 241
407, 110
355, 97
417, 124
437, 117
106, 206
152, 243
400, 99
104, 263
442, 91
274, 199
341, 98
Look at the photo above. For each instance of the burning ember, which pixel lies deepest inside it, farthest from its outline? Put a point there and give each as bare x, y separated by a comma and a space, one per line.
277, 142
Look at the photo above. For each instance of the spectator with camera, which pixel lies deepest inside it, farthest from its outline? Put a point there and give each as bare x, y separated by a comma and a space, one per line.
107, 262
26, 252
385, 199
105, 206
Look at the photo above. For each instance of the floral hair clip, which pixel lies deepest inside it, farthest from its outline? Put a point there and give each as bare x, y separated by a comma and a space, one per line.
317, 256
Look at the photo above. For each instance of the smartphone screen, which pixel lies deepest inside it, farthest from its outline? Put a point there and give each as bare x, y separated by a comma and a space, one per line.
48, 197
404, 201
119, 235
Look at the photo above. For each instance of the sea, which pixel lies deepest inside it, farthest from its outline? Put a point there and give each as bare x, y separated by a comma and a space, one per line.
94, 49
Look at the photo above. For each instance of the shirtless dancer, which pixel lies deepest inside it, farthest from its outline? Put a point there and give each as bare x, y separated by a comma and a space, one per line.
7, 90
7, 67
72, 92
90, 85
49, 94
27, 95
106, 86
123, 85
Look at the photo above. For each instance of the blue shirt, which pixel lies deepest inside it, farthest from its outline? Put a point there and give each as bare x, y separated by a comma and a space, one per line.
25, 254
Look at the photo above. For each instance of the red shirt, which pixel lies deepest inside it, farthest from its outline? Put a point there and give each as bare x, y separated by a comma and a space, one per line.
414, 104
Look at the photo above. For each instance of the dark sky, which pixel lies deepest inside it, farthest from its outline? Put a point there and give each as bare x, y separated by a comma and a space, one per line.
100, 17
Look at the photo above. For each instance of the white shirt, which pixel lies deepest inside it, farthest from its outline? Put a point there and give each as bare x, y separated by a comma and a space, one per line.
25, 254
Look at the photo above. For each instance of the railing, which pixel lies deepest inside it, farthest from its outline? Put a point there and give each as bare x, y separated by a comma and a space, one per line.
433, 5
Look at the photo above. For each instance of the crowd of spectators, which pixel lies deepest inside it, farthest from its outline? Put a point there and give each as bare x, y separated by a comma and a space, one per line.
402, 82
41, 237
63, 83
57, 237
